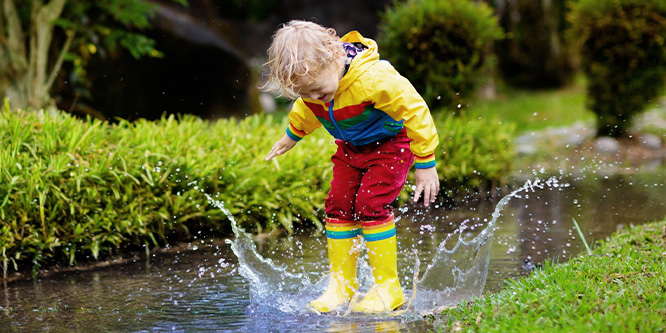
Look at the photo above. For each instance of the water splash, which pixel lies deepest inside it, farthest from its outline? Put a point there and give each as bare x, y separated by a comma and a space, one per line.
453, 275
271, 286
460, 273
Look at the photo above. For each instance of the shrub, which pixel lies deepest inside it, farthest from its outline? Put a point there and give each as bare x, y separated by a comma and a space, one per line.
623, 53
474, 153
71, 189
440, 45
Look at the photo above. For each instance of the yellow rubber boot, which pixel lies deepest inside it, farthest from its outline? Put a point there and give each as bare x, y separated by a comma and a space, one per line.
344, 243
385, 294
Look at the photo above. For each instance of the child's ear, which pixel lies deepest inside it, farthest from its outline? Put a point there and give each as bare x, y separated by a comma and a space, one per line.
341, 55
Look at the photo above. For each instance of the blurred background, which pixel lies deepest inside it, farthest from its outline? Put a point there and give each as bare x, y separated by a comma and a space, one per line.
204, 56
133, 59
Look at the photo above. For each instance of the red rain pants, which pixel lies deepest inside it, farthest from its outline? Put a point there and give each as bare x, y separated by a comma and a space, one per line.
366, 179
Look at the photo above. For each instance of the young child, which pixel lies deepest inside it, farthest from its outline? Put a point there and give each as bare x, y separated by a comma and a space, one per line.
382, 125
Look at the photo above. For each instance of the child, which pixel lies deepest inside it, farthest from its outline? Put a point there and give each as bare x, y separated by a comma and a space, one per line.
382, 125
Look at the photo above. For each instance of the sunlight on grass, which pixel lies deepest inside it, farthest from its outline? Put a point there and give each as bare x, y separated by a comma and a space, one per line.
536, 110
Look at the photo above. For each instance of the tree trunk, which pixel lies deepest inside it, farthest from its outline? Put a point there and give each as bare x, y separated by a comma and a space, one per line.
25, 77
13, 61
535, 55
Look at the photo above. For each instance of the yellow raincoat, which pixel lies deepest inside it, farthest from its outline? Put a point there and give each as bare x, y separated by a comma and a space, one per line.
373, 102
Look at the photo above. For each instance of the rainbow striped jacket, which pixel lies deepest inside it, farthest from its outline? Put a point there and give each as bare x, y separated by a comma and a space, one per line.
373, 102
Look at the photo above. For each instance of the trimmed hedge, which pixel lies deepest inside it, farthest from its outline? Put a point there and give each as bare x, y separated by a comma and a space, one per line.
71, 188
623, 53
474, 153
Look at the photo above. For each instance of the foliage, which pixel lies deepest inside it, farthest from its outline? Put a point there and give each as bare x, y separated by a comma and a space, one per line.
441, 46
72, 188
623, 53
474, 153
28, 67
619, 288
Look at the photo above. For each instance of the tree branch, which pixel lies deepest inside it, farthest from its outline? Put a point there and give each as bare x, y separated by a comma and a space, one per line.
2, 23
32, 46
58, 63
15, 46
44, 17
3, 46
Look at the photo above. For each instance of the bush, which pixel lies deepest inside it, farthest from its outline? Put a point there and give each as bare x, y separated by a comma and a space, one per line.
72, 189
441, 46
474, 154
623, 53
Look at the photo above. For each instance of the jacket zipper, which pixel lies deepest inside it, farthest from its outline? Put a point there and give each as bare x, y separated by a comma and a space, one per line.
330, 114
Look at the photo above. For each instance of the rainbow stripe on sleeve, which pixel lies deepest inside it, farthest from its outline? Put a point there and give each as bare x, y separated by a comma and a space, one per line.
424, 162
295, 134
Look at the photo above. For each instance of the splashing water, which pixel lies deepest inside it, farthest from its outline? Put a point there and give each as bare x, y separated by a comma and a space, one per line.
270, 285
460, 273
453, 275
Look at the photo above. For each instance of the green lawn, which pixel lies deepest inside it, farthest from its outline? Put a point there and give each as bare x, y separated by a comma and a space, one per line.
620, 287
536, 110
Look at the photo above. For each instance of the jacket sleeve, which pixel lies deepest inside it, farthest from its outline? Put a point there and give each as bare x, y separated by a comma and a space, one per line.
395, 95
301, 121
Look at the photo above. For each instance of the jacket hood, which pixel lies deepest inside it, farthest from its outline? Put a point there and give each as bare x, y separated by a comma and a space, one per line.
362, 61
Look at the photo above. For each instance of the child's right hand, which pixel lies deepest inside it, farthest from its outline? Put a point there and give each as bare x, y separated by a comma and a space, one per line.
281, 146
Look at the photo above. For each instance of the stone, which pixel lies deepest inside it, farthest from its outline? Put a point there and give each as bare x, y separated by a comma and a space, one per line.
651, 141
606, 145
267, 102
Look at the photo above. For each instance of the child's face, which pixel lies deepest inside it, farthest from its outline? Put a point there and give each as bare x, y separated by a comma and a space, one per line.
323, 88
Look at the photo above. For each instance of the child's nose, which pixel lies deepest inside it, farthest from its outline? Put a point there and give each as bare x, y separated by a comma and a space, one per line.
313, 97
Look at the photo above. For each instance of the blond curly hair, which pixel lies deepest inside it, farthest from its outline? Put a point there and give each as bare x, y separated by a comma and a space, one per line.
300, 49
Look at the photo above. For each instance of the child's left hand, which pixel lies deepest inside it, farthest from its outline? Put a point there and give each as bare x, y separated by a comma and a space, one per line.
427, 182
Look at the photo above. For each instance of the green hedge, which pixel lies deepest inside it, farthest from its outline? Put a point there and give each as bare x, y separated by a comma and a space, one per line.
474, 153
441, 45
623, 53
71, 189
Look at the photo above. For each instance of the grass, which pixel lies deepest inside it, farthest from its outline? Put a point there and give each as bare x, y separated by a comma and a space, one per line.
537, 110
621, 287
617, 286
582, 237
72, 189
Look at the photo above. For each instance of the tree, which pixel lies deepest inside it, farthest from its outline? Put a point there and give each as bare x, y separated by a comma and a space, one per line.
36, 37
536, 53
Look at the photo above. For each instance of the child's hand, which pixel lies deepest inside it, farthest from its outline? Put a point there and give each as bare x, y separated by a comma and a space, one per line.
427, 182
281, 146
